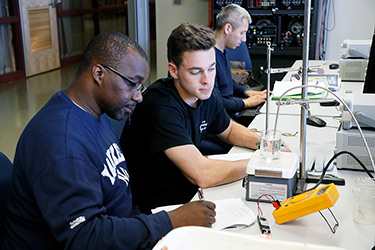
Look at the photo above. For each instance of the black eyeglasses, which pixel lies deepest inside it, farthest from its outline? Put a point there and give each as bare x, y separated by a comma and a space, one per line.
131, 83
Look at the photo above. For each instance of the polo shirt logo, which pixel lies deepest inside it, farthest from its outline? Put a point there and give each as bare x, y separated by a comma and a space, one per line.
203, 126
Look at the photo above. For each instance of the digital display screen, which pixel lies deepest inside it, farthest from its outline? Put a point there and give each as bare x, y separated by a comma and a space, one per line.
269, 31
321, 191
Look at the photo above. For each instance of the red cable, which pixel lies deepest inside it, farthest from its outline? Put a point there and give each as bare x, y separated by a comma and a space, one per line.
273, 203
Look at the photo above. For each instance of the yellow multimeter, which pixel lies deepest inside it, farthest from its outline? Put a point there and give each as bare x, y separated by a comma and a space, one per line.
306, 203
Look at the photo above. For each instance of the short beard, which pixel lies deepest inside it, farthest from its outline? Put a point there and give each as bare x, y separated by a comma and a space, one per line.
117, 114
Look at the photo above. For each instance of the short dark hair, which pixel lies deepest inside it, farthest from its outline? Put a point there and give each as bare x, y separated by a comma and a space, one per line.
108, 48
187, 37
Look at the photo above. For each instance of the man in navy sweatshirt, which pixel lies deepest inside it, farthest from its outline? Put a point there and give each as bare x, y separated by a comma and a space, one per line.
70, 186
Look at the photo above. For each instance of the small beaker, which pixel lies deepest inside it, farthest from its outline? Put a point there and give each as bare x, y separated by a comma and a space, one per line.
364, 194
270, 144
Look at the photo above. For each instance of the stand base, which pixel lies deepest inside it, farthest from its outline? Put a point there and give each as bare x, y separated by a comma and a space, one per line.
326, 180
301, 184
300, 187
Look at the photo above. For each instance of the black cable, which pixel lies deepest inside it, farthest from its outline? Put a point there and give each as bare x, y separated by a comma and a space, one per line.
332, 159
329, 2
327, 7
323, 30
322, 43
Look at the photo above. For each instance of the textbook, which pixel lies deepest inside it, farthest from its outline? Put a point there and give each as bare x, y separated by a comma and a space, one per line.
230, 213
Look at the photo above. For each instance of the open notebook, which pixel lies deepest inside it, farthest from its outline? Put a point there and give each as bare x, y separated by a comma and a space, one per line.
230, 213
281, 87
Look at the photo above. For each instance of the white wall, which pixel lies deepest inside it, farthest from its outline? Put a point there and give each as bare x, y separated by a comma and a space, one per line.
354, 20
168, 16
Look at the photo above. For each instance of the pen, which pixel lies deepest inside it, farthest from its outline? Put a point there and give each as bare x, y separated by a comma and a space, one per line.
200, 194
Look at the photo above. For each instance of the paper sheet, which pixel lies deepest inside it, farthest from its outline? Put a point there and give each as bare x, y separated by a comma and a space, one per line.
230, 213
231, 157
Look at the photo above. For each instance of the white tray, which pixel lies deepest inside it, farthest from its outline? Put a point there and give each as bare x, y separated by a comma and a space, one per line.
202, 238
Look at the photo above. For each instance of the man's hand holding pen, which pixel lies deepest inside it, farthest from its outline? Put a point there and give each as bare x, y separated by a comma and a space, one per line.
195, 213
200, 194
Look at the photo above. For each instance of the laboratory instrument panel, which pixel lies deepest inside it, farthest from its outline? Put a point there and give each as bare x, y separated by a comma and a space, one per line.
263, 4
280, 22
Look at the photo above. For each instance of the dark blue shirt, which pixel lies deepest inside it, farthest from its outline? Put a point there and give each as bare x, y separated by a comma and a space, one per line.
70, 186
232, 93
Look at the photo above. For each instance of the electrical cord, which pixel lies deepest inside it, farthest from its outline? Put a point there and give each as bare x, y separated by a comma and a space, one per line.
321, 31
275, 203
326, 10
262, 221
334, 14
332, 159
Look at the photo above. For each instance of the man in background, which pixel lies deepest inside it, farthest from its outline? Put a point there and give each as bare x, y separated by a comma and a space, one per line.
231, 27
